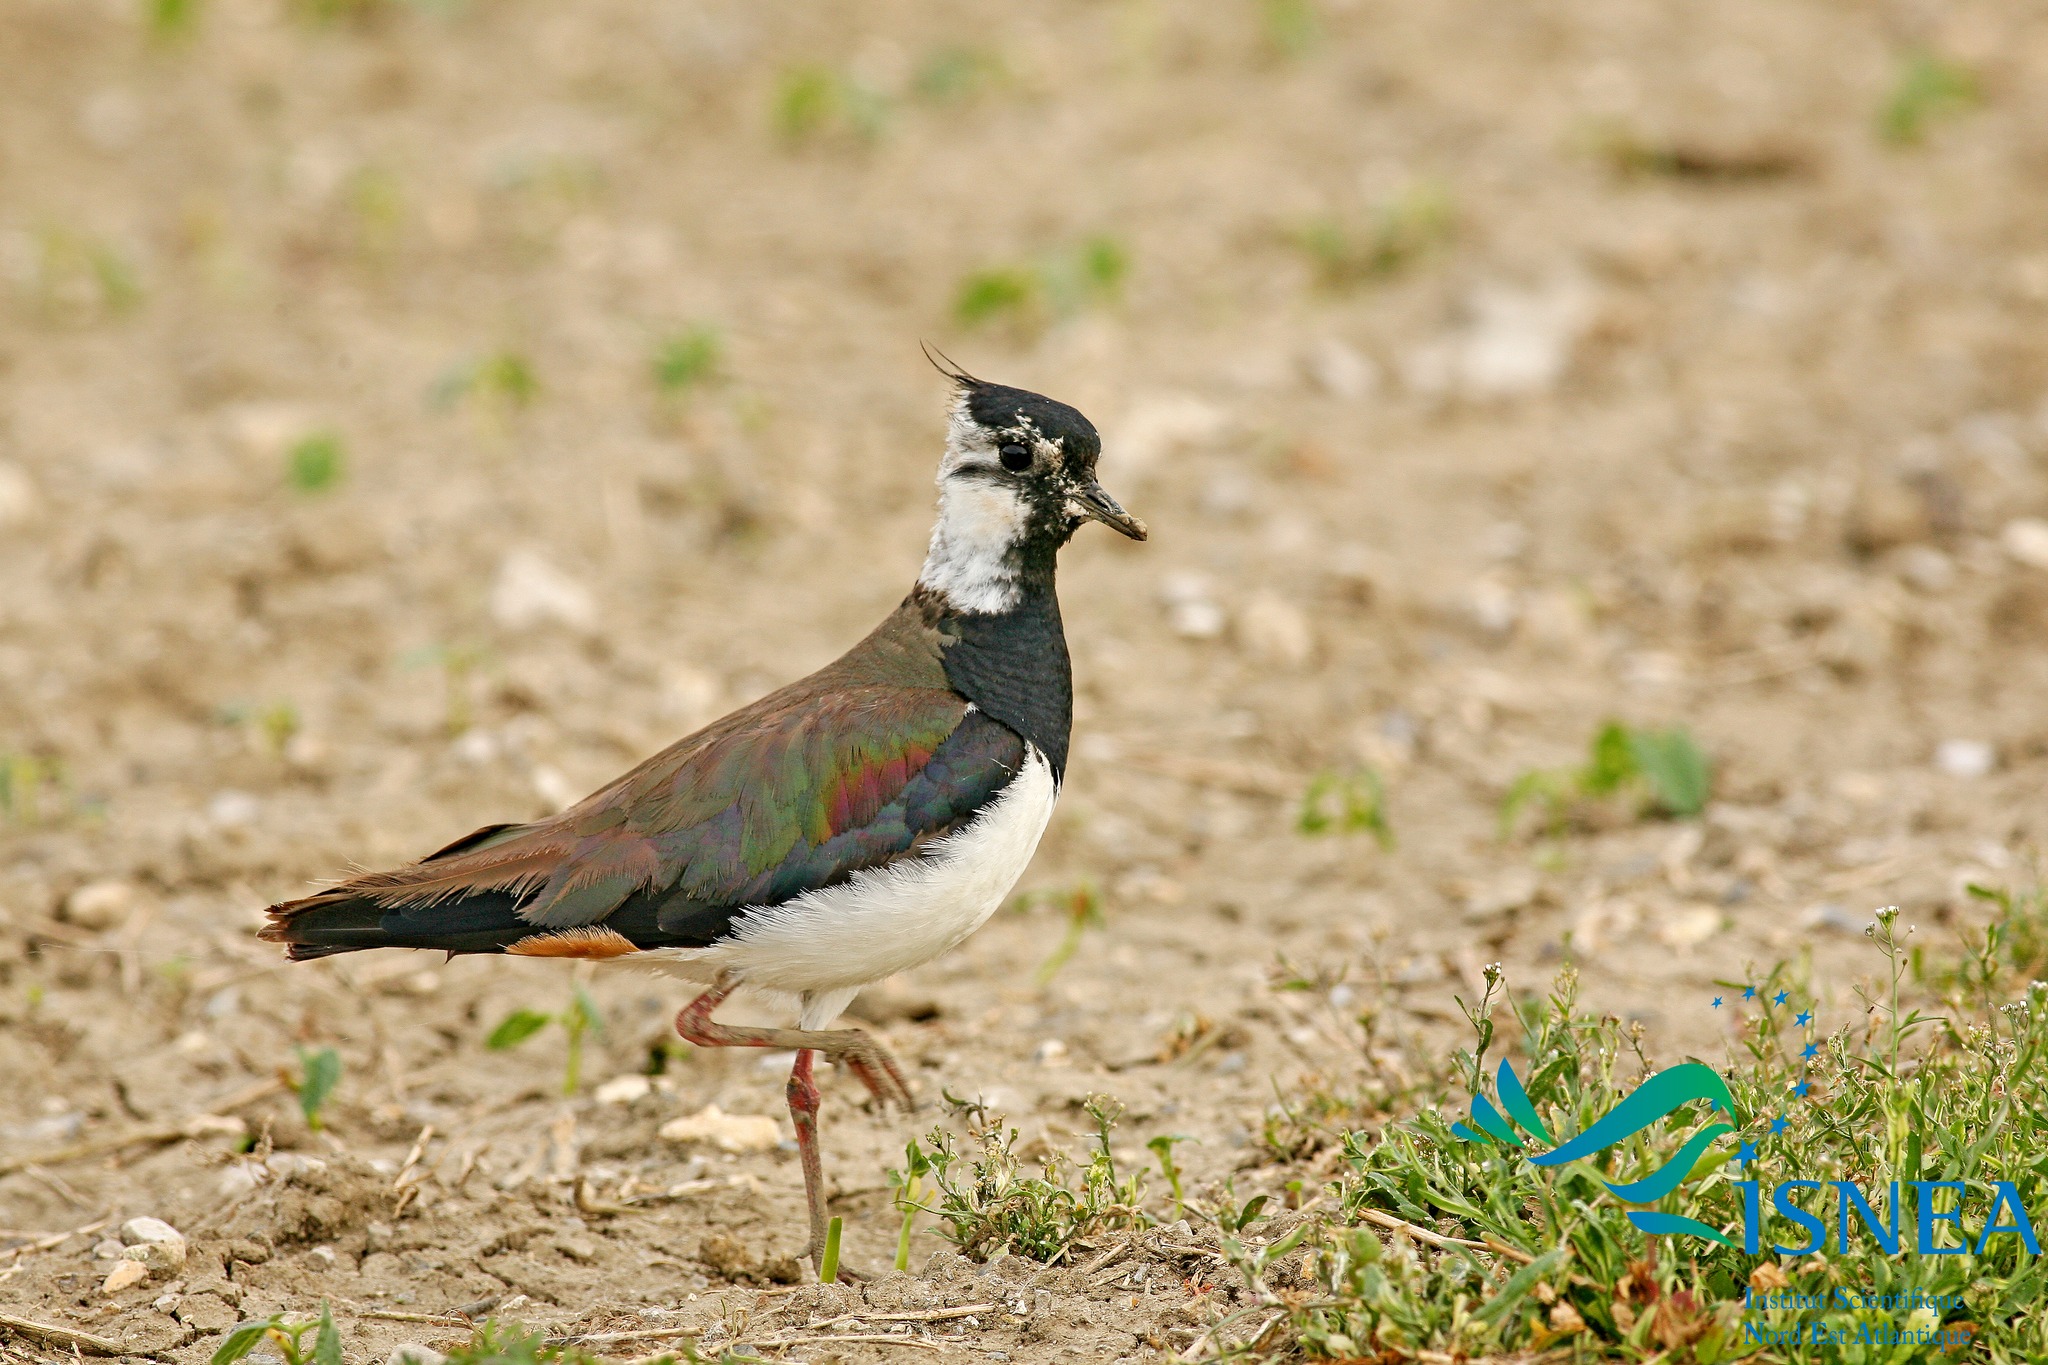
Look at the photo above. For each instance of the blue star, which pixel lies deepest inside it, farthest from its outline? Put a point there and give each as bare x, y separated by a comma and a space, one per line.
1781, 997
1747, 1154
1779, 1124
1810, 1050
1801, 1089
1717, 1002
1805, 1017
1749, 992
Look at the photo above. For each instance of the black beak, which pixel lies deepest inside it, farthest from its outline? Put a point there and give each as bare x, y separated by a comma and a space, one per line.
1096, 504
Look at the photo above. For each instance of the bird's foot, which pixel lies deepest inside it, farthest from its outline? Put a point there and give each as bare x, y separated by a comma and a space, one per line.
876, 1069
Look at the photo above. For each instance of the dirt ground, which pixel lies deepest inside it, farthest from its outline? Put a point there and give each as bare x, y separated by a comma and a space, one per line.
1484, 372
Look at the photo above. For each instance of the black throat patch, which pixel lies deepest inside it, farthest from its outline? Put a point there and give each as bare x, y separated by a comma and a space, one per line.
1013, 665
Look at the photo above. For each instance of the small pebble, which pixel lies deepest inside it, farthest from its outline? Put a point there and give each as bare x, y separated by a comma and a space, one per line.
124, 1275
2026, 540
624, 1089
529, 592
99, 905
727, 1132
1965, 757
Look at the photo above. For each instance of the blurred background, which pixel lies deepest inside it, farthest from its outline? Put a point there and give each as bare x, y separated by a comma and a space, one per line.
1597, 456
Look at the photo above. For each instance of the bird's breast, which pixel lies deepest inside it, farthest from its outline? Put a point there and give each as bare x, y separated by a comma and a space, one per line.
889, 919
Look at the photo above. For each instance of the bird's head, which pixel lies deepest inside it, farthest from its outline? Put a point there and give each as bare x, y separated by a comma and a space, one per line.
1017, 481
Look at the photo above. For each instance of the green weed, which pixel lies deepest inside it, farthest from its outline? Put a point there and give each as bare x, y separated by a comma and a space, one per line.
1926, 88
319, 1073
687, 359
814, 102
287, 1339
1090, 274
79, 276
954, 75
503, 381
996, 292
1293, 28
1662, 772
458, 664
1346, 803
168, 19
30, 788
989, 1206
1492, 1255
315, 462
581, 1017
1398, 233
1083, 907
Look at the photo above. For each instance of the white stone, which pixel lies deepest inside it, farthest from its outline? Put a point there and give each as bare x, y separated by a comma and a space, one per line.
2026, 540
727, 1132
1340, 370
139, 1231
124, 1275
1689, 927
233, 810
99, 905
157, 1255
1965, 757
1926, 569
624, 1089
18, 499
552, 785
1275, 630
1190, 608
529, 592
1516, 342
414, 1355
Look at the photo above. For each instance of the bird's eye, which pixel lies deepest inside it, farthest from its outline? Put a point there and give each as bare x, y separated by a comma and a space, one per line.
1015, 457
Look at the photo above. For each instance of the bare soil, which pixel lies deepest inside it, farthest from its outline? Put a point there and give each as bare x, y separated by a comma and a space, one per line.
1743, 434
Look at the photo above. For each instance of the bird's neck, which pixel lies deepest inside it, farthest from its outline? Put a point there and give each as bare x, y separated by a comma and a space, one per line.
1011, 663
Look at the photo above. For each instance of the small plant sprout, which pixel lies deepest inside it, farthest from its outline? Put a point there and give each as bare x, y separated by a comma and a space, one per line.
28, 787
319, 1073
501, 383
1162, 1147
953, 75
1089, 274
1346, 803
1398, 233
828, 1266
1927, 88
909, 1197
996, 292
287, 1339
1083, 906
168, 19
458, 664
686, 360
813, 102
1293, 27
581, 1017
315, 462
1665, 772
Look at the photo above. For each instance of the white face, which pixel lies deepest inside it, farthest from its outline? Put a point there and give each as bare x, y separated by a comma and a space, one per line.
980, 518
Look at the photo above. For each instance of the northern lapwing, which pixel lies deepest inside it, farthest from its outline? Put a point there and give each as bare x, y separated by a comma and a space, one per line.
850, 826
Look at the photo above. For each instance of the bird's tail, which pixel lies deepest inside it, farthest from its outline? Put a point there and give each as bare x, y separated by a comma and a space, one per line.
466, 898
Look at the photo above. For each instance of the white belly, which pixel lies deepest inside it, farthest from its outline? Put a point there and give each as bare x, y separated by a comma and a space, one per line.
886, 920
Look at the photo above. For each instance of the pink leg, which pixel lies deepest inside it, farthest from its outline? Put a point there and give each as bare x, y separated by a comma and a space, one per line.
859, 1053
803, 1115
